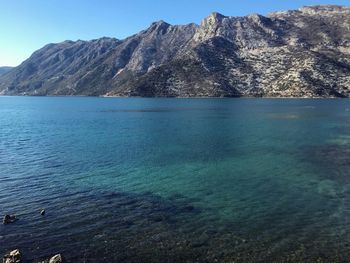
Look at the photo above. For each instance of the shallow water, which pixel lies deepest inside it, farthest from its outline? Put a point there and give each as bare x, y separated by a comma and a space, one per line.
176, 180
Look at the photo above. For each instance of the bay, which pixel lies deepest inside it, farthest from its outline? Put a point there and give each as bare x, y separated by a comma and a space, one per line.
176, 180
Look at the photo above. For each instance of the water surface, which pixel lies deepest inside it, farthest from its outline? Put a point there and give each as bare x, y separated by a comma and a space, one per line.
176, 180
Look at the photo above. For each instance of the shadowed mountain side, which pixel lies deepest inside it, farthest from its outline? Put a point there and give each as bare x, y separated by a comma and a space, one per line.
4, 70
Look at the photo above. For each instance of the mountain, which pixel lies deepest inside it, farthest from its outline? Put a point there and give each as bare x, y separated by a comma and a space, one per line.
4, 70
298, 53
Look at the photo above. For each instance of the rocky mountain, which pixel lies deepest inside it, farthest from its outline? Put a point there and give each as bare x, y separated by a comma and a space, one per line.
298, 53
4, 70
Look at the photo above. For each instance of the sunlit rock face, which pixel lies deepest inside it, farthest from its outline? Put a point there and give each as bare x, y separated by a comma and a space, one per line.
298, 53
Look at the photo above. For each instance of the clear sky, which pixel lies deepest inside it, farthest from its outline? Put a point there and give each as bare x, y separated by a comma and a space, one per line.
27, 25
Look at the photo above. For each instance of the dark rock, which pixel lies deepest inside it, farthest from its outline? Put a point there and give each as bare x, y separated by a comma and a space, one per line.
9, 219
157, 218
13, 257
188, 208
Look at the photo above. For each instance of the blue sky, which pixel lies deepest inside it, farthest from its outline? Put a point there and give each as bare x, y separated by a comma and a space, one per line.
27, 25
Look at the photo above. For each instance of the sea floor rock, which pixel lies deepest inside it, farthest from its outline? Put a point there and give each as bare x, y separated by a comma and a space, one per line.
13, 257
9, 219
56, 259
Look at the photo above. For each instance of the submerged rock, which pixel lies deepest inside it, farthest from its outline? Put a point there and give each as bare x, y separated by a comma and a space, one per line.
188, 208
56, 259
13, 257
9, 219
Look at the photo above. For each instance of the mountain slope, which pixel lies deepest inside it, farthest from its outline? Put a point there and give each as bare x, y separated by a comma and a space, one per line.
4, 70
298, 53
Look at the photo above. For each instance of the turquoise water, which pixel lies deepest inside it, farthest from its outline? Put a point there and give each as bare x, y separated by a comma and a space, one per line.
176, 180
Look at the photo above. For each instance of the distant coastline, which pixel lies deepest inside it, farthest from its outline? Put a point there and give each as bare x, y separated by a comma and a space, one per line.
173, 97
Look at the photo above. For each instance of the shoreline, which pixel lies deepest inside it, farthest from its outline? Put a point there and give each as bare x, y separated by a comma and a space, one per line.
179, 97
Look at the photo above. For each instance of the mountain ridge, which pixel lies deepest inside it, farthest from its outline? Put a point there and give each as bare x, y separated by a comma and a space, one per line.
296, 53
4, 70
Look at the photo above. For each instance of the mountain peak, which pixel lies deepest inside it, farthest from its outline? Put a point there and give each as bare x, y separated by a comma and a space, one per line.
212, 19
257, 18
160, 22
323, 9
216, 15
158, 25
313, 10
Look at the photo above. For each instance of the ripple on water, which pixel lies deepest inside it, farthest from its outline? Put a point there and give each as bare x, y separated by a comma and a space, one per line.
176, 180
129, 227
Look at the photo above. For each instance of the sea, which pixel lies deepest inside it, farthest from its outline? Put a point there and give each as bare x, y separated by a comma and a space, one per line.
176, 180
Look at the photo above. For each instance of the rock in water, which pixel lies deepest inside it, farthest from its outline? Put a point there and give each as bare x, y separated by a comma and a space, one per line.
9, 219
13, 257
56, 259
42, 212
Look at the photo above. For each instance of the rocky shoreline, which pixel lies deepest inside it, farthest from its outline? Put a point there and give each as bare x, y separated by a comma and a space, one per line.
15, 256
